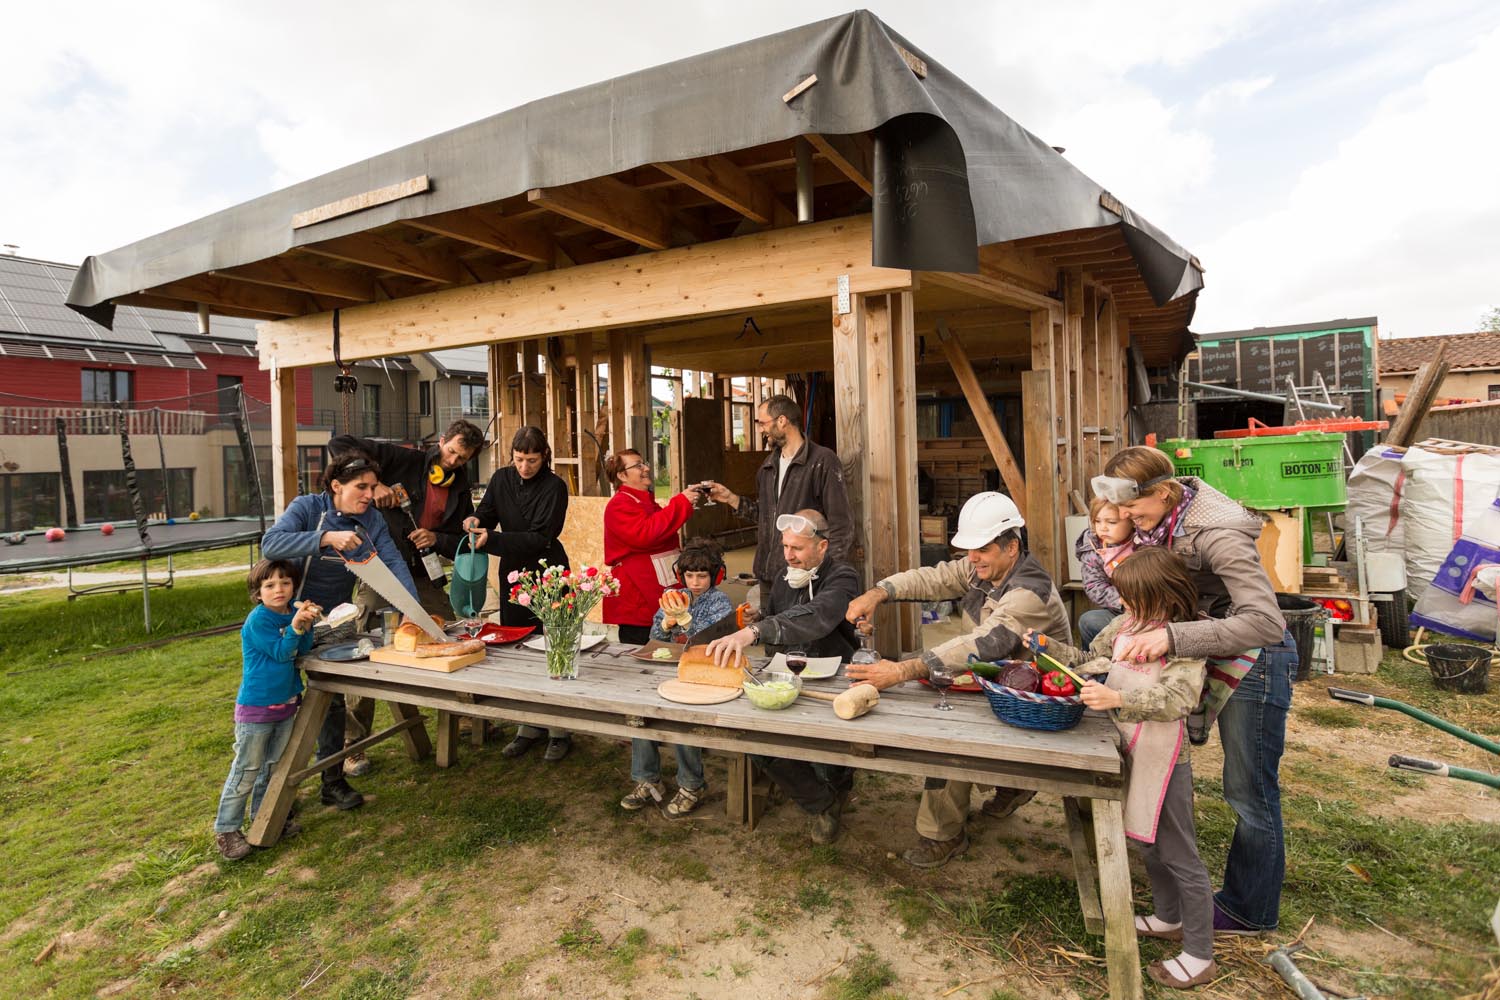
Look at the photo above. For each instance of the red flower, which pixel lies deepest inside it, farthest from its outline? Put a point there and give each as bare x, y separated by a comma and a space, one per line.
591, 571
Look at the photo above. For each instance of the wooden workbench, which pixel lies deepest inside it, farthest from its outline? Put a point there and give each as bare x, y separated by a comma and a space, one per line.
615, 696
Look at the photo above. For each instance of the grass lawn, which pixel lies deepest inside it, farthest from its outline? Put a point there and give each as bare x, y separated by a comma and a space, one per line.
502, 878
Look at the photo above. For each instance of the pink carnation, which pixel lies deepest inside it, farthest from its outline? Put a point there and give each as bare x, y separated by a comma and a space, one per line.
513, 577
586, 586
524, 600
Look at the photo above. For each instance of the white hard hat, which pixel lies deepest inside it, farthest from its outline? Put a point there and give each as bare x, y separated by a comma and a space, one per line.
985, 517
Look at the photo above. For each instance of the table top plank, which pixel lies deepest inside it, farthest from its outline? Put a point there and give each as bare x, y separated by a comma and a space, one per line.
620, 684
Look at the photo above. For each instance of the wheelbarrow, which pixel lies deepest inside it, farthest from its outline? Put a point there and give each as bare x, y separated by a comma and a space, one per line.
1404, 763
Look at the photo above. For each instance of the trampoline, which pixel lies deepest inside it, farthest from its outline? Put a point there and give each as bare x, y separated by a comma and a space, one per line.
88, 546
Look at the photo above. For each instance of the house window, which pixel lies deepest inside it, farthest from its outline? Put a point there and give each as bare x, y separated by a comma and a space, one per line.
237, 483
311, 461
424, 399
105, 497
474, 398
1495, 392
102, 385
30, 500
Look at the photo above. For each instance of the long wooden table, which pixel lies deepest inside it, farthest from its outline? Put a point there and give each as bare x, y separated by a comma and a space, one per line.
615, 696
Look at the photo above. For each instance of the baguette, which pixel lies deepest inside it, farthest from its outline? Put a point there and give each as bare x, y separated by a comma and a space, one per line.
449, 648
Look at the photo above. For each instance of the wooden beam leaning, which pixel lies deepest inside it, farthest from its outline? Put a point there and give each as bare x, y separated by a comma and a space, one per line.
386, 253
586, 406
362, 201
618, 427
516, 237
609, 204
303, 276
979, 406
284, 435
851, 154
637, 379
760, 271
723, 180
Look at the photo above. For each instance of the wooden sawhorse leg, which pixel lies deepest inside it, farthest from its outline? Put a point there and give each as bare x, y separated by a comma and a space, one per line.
447, 737
1085, 872
414, 733
1121, 950
281, 792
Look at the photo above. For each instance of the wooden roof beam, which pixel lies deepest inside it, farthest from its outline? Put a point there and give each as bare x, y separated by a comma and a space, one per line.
720, 178
386, 253
611, 205
851, 154
304, 276
491, 231
233, 294
1071, 236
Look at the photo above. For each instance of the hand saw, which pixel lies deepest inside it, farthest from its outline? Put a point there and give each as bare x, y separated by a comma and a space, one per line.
377, 576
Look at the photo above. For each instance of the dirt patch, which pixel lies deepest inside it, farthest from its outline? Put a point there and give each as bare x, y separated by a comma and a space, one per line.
181, 883
203, 939
113, 874
77, 942
304, 875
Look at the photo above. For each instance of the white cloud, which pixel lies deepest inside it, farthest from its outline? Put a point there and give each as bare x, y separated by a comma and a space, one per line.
1400, 221
1234, 92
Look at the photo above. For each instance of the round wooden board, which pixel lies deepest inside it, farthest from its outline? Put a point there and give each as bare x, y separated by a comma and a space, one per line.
696, 694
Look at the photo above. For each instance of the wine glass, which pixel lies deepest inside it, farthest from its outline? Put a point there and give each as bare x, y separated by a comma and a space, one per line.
941, 677
705, 491
796, 661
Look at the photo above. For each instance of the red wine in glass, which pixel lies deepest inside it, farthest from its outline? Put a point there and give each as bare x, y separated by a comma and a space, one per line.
941, 677
796, 661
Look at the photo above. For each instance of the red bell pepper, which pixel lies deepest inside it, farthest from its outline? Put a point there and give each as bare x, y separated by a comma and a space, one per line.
1058, 684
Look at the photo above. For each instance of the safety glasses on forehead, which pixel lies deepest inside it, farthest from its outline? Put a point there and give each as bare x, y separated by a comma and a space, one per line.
799, 524
1117, 489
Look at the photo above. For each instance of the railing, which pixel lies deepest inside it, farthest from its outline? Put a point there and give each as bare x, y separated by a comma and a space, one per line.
40, 420
448, 414
393, 426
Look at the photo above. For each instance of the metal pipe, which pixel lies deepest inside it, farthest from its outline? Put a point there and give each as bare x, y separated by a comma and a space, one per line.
1281, 961
804, 179
1265, 396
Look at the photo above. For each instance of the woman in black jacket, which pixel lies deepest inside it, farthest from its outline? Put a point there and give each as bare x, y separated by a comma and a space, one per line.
528, 503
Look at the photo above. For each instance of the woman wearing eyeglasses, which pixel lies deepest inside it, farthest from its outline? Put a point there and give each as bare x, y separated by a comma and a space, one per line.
321, 524
640, 544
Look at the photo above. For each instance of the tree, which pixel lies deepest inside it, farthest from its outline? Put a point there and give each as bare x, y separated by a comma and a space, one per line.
1490, 321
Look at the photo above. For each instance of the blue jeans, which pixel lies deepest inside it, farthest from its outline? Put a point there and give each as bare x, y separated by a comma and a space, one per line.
1091, 623
1252, 729
645, 764
257, 748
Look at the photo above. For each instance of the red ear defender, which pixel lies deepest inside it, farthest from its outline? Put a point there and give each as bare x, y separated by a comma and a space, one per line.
677, 572
720, 573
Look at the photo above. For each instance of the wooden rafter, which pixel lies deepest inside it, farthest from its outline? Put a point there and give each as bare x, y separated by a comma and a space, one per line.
720, 178
150, 301
213, 291
851, 154
491, 231
304, 276
386, 253
611, 205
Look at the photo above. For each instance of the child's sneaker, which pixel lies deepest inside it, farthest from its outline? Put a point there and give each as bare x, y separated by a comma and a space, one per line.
643, 795
232, 845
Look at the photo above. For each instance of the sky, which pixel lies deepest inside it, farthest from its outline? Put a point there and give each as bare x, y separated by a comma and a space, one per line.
1322, 158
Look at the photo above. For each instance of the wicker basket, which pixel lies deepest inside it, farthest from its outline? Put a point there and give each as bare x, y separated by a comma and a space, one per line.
1032, 711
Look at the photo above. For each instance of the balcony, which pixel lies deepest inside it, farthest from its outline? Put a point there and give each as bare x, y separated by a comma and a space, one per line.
387, 426
447, 414
77, 420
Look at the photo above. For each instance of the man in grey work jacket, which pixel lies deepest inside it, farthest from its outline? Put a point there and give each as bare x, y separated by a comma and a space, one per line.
796, 475
1001, 591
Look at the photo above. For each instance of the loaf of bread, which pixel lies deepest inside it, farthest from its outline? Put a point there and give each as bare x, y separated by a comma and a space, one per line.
697, 667
425, 649
410, 635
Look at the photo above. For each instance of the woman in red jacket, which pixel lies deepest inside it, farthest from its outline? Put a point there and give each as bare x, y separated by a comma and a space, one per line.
640, 544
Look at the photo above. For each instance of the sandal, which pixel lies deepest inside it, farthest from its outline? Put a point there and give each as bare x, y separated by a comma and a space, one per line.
1143, 928
1162, 971
685, 801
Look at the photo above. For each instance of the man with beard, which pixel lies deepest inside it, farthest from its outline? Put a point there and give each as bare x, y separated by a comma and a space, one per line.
436, 480
797, 474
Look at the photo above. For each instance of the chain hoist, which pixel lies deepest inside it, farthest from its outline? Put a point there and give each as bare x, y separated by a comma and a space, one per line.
344, 383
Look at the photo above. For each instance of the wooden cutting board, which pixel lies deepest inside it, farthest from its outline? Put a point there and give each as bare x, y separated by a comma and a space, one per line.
696, 694
444, 664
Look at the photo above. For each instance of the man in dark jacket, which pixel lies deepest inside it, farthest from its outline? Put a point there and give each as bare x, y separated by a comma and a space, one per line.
437, 482
805, 611
797, 474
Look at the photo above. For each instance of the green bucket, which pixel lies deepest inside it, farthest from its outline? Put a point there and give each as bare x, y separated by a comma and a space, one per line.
469, 585
1277, 471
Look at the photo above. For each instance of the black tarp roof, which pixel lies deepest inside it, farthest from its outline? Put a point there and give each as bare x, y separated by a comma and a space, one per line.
987, 180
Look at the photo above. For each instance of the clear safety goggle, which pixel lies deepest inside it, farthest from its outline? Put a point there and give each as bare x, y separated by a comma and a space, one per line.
1118, 489
799, 524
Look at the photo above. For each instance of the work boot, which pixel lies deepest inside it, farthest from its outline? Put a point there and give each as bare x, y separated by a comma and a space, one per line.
825, 825
356, 764
341, 795
557, 748
290, 828
685, 801
935, 853
518, 746
232, 845
644, 793
1006, 801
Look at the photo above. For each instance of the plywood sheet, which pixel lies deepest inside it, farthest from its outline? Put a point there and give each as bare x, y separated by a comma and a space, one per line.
582, 536
1280, 547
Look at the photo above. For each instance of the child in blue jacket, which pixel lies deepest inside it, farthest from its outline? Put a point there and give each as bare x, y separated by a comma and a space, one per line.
270, 690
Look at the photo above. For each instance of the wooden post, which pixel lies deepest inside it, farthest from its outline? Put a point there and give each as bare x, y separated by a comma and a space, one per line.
637, 395
1043, 495
495, 376
984, 416
509, 402
1070, 399
556, 397
618, 428
586, 404
533, 404
882, 472
284, 436
1093, 395
1121, 949
675, 453
849, 414
904, 458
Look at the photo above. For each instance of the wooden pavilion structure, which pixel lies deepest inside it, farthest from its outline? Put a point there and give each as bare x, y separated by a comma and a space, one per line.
667, 209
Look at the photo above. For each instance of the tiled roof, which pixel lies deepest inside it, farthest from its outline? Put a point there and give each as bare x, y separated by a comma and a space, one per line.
1460, 350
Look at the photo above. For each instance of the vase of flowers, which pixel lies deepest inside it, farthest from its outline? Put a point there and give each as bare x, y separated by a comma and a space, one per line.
561, 599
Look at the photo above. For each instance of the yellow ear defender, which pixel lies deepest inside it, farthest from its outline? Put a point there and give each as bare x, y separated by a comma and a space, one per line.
439, 476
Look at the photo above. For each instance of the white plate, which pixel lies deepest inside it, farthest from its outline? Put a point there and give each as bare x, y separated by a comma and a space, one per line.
540, 642
818, 667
